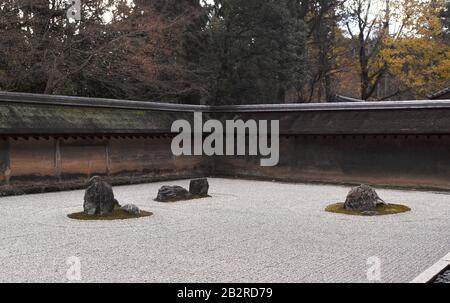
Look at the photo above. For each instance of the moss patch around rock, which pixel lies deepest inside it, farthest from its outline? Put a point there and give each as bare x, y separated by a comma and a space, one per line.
389, 209
117, 214
195, 197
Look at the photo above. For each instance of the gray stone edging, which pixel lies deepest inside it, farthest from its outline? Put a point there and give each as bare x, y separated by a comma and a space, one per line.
432, 272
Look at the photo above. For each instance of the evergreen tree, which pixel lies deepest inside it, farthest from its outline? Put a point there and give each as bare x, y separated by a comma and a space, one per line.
256, 51
323, 19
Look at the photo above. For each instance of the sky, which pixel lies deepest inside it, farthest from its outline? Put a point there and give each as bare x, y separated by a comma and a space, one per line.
378, 7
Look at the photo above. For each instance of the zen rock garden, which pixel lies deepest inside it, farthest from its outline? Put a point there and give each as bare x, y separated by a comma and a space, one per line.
364, 201
198, 238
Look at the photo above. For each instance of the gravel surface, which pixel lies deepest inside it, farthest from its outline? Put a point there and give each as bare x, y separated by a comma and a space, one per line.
249, 231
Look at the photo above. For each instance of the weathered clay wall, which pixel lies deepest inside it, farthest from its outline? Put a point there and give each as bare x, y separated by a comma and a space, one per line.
150, 159
37, 165
421, 161
29, 159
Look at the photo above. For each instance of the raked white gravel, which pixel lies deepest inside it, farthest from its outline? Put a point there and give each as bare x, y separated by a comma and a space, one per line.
249, 231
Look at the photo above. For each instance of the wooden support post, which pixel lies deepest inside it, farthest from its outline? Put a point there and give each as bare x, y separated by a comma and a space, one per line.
108, 158
58, 159
5, 160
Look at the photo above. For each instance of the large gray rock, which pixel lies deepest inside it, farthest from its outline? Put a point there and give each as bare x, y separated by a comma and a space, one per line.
363, 198
199, 187
172, 193
99, 197
131, 209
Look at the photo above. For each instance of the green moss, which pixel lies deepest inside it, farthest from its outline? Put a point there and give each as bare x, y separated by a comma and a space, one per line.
195, 197
117, 214
389, 209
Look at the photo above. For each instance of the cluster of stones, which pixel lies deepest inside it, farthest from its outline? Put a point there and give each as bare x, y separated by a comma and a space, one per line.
99, 199
363, 198
197, 188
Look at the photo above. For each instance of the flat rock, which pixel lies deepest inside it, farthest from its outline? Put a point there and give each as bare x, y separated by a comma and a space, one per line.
363, 198
199, 187
172, 193
131, 209
99, 197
